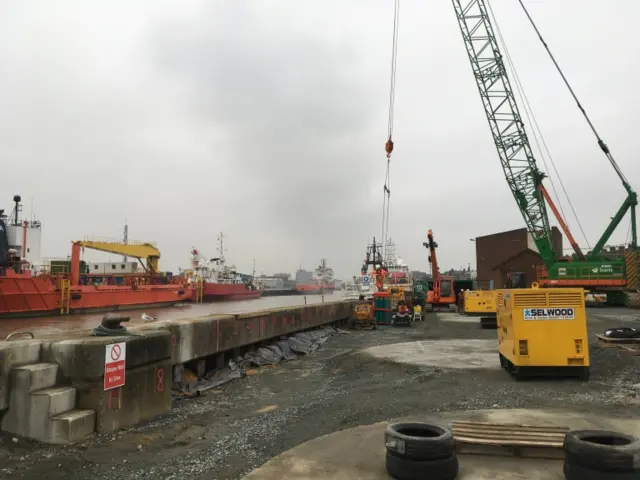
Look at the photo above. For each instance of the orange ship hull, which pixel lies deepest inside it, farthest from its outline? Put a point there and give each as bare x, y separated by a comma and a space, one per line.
38, 296
314, 289
229, 291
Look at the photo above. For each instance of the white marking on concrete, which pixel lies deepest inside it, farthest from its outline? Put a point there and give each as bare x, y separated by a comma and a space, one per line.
464, 354
620, 318
457, 318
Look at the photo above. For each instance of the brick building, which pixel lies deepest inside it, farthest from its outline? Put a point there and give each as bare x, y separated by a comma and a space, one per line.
502, 253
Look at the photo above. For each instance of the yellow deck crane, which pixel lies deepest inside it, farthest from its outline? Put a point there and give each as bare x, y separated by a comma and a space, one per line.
140, 250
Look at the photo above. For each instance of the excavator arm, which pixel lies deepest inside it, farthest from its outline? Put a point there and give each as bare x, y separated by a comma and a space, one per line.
433, 260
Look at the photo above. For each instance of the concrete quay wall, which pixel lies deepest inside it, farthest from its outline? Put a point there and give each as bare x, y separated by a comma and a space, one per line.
153, 353
195, 338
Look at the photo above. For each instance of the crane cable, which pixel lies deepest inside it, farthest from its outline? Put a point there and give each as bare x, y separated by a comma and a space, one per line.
389, 145
601, 143
537, 132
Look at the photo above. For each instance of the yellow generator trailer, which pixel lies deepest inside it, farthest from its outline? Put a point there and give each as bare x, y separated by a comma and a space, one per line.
396, 294
363, 316
481, 303
543, 331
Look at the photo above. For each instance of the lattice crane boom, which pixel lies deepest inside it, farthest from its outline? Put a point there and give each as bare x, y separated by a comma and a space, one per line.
509, 135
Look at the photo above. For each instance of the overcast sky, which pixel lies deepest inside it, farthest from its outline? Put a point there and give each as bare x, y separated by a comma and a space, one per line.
267, 120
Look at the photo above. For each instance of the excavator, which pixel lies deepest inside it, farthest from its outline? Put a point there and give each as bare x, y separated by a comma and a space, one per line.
600, 272
443, 292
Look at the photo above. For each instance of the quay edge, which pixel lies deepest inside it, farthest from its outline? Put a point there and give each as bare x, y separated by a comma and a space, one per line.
52, 389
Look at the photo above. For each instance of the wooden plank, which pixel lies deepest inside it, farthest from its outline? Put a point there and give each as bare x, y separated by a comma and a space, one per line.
498, 432
509, 439
618, 341
516, 442
510, 426
484, 438
507, 451
504, 434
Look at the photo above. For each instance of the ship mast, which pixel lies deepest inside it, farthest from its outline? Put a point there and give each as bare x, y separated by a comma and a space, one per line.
125, 237
374, 257
221, 248
390, 255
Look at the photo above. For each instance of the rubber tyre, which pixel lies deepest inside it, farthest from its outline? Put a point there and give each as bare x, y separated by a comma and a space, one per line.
422, 441
604, 455
573, 471
402, 468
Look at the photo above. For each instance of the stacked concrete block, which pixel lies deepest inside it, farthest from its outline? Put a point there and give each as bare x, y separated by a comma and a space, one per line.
146, 392
14, 354
43, 411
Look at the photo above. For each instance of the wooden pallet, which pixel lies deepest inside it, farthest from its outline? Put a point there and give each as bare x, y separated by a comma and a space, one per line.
618, 341
500, 439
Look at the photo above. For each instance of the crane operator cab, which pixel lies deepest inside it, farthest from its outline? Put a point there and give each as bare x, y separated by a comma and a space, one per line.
446, 288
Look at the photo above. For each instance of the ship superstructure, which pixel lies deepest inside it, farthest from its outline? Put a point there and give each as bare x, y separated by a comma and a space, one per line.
23, 239
398, 273
220, 280
317, 282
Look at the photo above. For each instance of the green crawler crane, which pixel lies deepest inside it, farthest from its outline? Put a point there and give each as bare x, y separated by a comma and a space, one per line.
597, 271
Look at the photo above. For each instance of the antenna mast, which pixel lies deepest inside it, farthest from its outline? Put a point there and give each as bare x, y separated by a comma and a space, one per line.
125, 236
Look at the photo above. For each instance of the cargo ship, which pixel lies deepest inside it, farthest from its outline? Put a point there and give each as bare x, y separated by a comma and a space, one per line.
280, 284
30, 288
219, 281
314, 283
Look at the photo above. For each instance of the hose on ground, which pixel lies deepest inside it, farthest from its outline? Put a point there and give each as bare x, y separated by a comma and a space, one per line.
15, 334
102, 331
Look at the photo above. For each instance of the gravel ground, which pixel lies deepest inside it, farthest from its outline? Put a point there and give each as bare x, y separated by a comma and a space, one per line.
237, 427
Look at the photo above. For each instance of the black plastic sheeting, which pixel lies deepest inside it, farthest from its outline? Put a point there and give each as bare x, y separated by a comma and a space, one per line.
281, 350
622, 332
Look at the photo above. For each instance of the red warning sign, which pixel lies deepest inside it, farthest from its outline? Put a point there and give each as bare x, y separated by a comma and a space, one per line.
114, 365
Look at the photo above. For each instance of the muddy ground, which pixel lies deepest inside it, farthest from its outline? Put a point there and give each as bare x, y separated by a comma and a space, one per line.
237, 427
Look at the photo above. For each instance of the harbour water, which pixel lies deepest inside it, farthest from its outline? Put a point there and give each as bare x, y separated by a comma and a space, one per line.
44, 326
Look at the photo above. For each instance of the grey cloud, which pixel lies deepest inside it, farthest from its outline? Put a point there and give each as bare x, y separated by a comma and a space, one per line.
296, 114
267, 120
